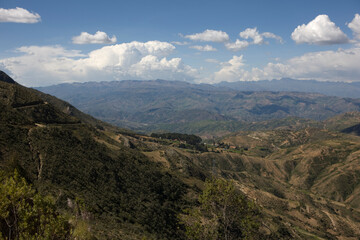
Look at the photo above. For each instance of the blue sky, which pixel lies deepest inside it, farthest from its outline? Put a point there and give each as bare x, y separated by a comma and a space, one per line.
47, 42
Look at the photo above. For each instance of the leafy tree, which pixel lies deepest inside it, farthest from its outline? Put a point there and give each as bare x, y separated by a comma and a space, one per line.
223, 213
25, 214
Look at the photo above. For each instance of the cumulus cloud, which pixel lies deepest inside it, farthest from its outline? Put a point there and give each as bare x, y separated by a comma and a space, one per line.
18, 15
206, 48
231, 71
354, 25
46, 65
209, 36
237, 45
258, 38
97, 38
340, 65
251, 34
320, 31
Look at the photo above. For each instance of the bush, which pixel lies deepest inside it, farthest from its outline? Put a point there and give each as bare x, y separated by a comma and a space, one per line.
25, 214
223, 213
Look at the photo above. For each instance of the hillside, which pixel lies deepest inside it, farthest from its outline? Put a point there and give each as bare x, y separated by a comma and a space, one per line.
322, 165
132, 186
63, 156
177, 106
306, 181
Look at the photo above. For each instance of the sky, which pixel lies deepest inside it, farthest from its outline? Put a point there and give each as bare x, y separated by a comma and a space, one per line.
46, 42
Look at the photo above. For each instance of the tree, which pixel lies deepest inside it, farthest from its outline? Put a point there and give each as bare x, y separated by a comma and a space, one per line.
223, 213
25, 214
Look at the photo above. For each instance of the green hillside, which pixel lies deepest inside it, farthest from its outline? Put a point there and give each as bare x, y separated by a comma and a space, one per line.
122, 191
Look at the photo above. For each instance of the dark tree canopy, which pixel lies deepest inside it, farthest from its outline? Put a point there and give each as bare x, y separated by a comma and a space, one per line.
188, 138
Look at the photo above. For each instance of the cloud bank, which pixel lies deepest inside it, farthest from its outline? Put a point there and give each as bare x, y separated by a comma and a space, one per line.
320, 31
40, 66
97, 38
18, 15
340, 65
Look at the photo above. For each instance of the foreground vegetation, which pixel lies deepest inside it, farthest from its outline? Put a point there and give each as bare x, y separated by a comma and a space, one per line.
223, 213
26, 215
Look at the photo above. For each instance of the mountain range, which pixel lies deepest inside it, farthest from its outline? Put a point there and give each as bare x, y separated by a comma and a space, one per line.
127, 185
197, 108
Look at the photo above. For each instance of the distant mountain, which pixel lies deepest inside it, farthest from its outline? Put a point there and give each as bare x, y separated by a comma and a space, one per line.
168, 105
340, 89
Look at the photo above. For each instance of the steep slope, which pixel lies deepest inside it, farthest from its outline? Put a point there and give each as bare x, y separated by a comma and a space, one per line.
5, 78
121, 189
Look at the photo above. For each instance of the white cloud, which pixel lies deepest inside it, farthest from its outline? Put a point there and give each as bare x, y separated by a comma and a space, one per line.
206, 48
18, 15
340, 65
354, 25
253, 34
180, 43
272, 35
98, 38
258, 38
231, 70
237, 45
46, 65
209, 36
320, 31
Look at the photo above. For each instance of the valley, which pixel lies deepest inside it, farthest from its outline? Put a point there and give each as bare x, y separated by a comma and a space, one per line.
202, 109
302, 174
180, 120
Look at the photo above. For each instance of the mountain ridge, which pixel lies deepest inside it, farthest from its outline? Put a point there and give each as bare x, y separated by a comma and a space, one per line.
6, 78
340, 89
149, 105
